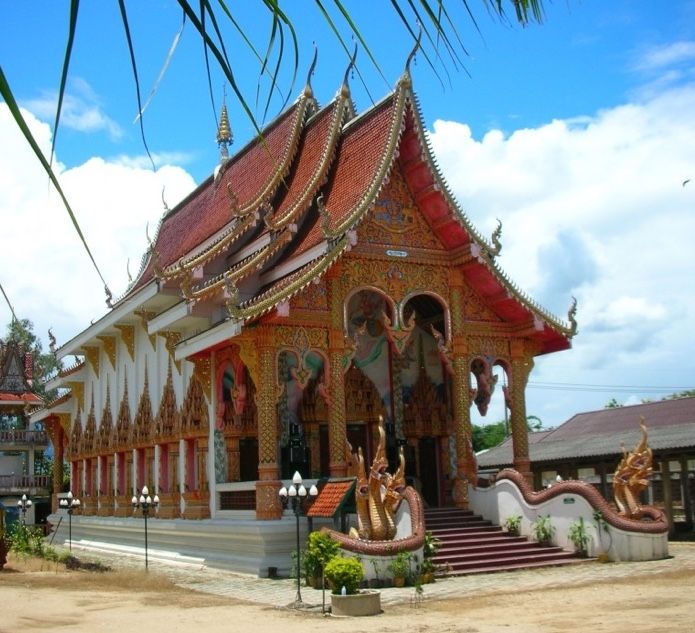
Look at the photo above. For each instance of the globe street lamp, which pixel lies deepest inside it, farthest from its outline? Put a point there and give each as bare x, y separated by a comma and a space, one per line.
145, 502
24, 504
70, 504
295, 496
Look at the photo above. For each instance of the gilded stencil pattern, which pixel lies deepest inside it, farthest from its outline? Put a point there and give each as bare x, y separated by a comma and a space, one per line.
122, 433
313, 297
142, 425
396, 278
336, 410
301, 338
461, 407
203, 373
76, 435
474, 309
489, 346
457, 311
521, 368
396, 220
89, 431
267, 443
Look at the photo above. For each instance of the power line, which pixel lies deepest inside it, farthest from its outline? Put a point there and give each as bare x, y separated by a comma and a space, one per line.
571, 386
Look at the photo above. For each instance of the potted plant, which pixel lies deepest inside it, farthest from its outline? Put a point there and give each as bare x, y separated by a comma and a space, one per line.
400, 568
513, 525
345, 576
578, 535
543, 530
429, 550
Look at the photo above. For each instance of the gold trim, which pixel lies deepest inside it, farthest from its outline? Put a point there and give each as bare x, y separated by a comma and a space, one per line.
128, 338
92, 355
109, 348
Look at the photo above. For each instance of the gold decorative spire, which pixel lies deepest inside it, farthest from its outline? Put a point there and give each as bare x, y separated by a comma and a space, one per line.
224, 134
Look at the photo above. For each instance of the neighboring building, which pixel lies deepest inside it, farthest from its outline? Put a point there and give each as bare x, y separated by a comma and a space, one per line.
321, 278
588, 447
21, 443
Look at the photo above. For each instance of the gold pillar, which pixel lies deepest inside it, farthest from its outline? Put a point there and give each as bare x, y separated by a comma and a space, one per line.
268, 504
522, 364
462, 425
337, 430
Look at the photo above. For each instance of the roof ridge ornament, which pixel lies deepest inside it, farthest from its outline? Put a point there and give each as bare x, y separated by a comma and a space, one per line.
496, 242
345, 88
232, 292
325, 217
224, 131
571, 314
308, 90
411, 56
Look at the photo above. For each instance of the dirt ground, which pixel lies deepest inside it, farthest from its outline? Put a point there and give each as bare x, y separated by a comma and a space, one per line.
38, 597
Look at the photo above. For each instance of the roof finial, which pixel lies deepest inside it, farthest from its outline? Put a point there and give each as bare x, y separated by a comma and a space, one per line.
345, 89
497, 243
308, 91
224, 131
411, 56
571, 314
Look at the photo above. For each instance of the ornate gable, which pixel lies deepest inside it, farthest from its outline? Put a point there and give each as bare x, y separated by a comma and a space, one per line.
395, 219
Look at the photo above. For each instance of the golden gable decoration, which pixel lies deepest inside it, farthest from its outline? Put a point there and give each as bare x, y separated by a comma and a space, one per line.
396, 220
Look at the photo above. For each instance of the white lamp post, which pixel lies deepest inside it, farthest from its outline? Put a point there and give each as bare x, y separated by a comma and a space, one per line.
24, 504
295, 496
70, 504
145, 502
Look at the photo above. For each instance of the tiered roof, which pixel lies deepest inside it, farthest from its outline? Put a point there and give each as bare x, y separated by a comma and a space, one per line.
281, 211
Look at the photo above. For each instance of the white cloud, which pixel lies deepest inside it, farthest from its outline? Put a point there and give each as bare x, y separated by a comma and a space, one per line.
46, 271
81, 110
594, 207
666, 55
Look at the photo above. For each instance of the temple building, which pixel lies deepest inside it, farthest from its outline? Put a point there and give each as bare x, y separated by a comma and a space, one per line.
323, 277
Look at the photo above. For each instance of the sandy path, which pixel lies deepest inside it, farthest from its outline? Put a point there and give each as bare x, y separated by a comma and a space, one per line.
37, 600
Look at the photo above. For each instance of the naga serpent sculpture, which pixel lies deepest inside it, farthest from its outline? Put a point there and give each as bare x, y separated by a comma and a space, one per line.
631, 477
377, 498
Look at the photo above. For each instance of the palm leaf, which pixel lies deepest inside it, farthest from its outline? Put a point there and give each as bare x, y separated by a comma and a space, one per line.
126, 28
74, 6
7, 95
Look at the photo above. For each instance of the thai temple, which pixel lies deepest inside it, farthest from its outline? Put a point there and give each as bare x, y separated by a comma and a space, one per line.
322, 280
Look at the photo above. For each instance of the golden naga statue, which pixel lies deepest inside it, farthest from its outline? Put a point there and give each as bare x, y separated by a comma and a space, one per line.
631, 477
378, 494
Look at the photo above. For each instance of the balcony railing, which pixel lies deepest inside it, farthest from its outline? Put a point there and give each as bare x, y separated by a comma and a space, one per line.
24, 483
18, 436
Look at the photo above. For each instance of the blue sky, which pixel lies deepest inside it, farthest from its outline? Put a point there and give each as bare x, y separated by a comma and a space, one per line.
577, 134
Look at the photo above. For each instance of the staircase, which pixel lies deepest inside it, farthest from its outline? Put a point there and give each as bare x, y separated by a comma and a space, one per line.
472, 545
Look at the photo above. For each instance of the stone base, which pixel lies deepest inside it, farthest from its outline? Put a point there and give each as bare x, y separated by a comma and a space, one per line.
358, 604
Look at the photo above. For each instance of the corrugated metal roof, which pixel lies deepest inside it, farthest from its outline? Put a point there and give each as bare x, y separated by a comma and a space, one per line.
670, 425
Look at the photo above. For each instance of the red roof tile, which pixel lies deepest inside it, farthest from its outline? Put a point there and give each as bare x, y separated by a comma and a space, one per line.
330, 498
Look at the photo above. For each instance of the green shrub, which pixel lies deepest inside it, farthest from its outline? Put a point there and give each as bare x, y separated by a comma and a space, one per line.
321, 548
431, 545
344, 572
578, 535
543, 529
513, 525
400, 566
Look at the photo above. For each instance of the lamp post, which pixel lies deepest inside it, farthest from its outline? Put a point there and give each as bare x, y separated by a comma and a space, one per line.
145, 502
24, 504
295, 496
70, 504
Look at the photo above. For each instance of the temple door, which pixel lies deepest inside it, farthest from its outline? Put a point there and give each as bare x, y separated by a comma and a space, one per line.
429, 470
